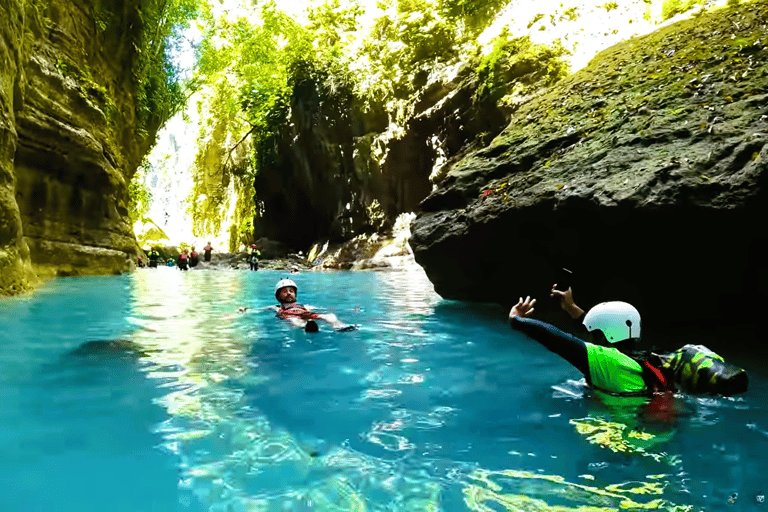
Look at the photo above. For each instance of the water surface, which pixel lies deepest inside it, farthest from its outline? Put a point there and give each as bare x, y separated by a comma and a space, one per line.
430, 405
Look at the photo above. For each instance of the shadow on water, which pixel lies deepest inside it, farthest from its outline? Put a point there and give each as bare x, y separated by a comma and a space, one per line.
108, 350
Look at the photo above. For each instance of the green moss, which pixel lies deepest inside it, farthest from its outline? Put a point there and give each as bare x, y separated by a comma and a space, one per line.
95, 93
670, 8
519, 65
642, 89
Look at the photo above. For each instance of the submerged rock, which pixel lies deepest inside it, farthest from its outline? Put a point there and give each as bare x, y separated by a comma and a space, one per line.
644, 173
109, 348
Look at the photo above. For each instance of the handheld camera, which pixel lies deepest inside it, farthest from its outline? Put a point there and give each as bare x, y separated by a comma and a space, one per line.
563, 279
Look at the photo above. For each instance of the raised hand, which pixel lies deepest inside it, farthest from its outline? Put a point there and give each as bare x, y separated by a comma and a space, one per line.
523, 308
566, 301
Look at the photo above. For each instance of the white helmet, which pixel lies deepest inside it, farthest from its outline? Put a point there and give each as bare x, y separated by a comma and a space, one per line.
284, 283
618, 321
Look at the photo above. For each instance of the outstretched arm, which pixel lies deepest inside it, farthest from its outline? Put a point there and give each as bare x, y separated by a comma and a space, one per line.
569, 347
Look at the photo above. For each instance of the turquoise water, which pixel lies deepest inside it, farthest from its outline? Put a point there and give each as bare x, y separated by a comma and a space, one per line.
430, 405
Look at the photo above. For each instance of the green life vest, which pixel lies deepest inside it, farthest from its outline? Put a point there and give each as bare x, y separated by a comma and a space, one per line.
614, 372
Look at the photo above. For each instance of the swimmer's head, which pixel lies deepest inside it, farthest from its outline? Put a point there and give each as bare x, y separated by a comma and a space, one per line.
285, 284
617, 321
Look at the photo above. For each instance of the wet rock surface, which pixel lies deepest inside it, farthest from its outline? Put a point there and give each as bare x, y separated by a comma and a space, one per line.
70, 140
644, 173
336, 172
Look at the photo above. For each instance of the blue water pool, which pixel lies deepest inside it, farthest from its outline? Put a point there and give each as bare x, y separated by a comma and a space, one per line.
431, 405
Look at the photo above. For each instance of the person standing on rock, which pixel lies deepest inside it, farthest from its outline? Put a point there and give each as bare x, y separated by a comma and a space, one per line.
253, 258
299, 314
207, 252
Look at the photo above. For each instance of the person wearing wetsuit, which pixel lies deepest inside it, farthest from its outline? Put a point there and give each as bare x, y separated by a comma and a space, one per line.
607, 364
183, 261
194, 258
253, 257
299, 314
207, 252
154, 256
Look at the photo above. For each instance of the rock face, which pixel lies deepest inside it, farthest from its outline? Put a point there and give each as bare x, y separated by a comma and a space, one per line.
15, 270
69, 139
333, 161
645, 174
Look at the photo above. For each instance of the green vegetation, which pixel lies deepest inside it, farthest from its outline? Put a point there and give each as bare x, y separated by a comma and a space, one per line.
139, 196
93, 92
519, 65
671, 8
155, 28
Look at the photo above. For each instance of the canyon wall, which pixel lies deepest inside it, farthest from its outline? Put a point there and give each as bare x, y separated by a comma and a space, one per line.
70, 138
644, 173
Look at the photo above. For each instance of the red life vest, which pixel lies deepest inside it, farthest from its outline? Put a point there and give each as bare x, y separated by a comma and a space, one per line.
296, 310
654, 379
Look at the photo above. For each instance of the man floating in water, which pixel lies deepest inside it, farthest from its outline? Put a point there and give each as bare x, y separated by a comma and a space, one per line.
610, 364
301, 315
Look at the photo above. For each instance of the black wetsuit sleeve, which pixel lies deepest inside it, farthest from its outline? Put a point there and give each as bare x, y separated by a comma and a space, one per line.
569, 347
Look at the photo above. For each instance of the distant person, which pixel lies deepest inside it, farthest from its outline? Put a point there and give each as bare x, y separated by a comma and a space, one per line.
253, 257
140, 262
299, 314
154, 257
170, 263
207, 252
194, 258
183, 261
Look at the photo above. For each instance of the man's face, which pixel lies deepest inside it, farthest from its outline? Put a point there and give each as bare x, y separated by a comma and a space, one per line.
287, 294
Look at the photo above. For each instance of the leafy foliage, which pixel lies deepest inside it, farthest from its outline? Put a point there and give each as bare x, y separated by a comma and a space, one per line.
473, 16
155, 27
251, 67
671, 8
139, 196
517, 63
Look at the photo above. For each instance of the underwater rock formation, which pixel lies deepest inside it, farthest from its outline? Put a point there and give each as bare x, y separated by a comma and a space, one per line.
69, 139
644, 173
106, 349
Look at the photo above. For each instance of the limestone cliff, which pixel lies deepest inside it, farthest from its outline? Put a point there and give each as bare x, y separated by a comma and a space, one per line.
70, 139
336, 173
644, 173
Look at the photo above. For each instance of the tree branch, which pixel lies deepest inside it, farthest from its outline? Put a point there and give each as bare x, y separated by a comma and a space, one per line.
233, 148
